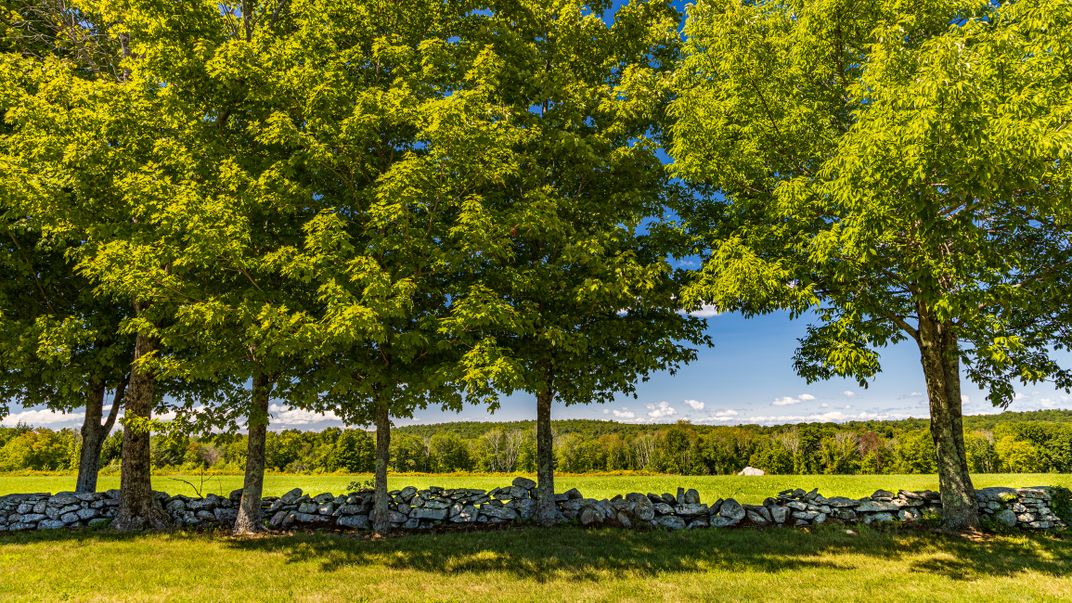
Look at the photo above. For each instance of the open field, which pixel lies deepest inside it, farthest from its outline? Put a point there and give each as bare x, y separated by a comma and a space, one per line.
529, 564
711, 487
567, 563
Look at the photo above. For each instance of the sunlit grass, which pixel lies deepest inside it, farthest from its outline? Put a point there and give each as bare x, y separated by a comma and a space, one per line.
546, 565
745, 489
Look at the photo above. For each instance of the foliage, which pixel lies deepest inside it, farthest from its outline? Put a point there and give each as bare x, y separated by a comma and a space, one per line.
1011, 442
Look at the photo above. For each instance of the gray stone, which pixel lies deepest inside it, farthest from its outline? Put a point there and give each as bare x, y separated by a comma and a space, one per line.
692, 497
645, 511
841, 502
51, 524
671, 522
909, 515
307, 518
225, 517
691, 510
878, 518
69, 518
526, 508
996, 494
778, 514
63, 500
308, 508
756, 518
501, 513
698, 522
874, 506
429, 513
524, 483
663, 509
88, 513
573, 493
1006, 518
291, 497
732, 510
356, 522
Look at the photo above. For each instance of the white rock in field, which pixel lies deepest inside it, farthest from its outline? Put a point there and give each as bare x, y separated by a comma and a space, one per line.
752, 471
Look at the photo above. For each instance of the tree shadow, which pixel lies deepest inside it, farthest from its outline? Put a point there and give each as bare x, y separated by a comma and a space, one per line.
576, 554
571, 553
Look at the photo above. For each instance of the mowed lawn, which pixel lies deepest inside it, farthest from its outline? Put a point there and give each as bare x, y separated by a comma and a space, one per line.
529, 564
744, 489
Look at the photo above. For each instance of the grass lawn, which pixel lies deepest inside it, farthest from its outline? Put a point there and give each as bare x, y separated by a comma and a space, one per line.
572, 564
711, 487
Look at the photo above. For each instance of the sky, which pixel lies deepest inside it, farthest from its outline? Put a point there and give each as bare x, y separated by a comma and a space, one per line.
747, 377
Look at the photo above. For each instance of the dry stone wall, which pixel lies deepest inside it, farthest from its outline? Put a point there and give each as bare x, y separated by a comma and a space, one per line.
413, 509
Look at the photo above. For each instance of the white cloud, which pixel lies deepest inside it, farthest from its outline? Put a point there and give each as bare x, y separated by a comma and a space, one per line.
284, 416
720, 416
848, 393
833, 416
695, 404
44, 418
624, 414
705, 311
791, 400
661, 410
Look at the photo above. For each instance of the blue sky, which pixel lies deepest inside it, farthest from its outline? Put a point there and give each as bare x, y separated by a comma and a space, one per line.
746, 378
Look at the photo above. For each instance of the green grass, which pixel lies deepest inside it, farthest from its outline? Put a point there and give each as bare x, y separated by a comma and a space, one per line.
744, 489
526, 564
539, 565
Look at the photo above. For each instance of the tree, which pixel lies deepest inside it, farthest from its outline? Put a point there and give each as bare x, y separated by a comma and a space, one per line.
379, 252
354, 452
574, 299
877, 167
59, 345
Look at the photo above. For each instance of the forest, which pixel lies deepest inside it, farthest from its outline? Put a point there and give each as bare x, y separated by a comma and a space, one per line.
1011, 442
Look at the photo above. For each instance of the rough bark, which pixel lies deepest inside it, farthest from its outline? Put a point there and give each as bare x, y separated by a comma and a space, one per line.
380, 513
138, 510
249, 519
546, 509
94, 433
940, 355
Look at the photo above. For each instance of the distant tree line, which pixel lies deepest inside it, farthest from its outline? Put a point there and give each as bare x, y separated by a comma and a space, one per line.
1036, 442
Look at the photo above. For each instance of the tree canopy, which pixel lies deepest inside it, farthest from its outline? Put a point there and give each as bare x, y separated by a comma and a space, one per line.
896, 172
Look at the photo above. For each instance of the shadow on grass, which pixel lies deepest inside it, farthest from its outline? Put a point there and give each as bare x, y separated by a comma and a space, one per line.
571, 553
576, 554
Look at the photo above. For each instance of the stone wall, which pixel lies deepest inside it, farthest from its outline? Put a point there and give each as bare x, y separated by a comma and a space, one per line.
413, 509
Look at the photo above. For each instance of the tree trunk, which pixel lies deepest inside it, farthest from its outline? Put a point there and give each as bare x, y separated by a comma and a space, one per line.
381, 523
546, 509
89, 460
93, 435
940, 355
249, 509
138, 510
